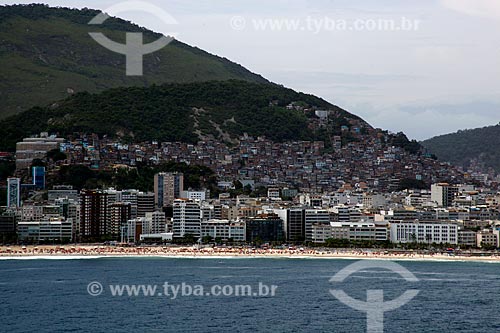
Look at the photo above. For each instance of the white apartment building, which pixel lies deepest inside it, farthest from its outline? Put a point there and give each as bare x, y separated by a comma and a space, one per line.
195, 195
32, 148
314, 216
374, 200
320, 232
63, 191
186, 218
424, 232
39, 212
467, 238
418, 198
154, 223
49, 229
355, 231
443, 194
486, 238
224, 229
273, 193
362, 230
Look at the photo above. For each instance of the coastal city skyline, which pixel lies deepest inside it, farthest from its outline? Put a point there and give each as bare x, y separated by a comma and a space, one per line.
264, 170
249, 201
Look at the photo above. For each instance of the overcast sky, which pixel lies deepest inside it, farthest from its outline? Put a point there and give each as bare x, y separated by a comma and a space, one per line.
442, 76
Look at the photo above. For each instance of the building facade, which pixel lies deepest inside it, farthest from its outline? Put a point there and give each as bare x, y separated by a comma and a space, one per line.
13, 192
119, 214
54, 229
224, 229
424, 232
94, 212
168, 186
186, 218
264, 228
443, 194
314, 216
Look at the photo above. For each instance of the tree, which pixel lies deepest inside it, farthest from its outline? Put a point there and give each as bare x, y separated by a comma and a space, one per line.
428, 238
207, 239
56, 155
7, 168
37, 162
410, 184
413, 238
189, 239
487, 247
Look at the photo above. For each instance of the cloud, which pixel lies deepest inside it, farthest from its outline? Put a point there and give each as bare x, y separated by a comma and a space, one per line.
425, 121
342, 77
482, 8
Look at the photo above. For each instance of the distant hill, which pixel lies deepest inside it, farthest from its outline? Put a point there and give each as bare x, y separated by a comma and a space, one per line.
480, 145
187, 112
47, 54
55, 78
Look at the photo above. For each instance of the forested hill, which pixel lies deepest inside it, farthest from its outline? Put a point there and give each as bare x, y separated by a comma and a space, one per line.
47, 55
188, 112
480, 145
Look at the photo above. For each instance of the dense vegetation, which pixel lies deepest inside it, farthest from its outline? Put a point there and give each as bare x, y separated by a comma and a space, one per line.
80, 176
47, 54
412, 184
401, 140
7, 168
462, 147
174, 112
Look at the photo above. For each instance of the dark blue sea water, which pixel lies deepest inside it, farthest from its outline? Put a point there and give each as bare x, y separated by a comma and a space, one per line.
51, 296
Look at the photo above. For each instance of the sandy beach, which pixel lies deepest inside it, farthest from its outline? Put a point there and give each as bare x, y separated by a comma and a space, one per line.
96, 251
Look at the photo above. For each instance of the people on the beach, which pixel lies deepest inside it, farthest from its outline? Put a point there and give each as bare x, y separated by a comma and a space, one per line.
188, 251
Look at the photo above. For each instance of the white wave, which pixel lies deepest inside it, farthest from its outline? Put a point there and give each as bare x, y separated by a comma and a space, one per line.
232, 257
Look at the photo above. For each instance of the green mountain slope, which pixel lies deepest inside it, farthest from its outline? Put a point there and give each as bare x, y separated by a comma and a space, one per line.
46, 54
480, 145
187, 112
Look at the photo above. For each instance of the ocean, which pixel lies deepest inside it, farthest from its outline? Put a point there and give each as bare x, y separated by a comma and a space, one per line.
47, 295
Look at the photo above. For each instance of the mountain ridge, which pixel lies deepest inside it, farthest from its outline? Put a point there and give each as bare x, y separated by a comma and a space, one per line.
69, 89
184, 112
51, 56
476, 147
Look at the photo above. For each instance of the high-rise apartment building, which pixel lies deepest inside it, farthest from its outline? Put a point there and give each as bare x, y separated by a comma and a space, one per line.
314, 216
119, 214
145, 203
186, 218
154, 223
94, 212
443, 194
294, 225
265, 228
168, 187
13, 192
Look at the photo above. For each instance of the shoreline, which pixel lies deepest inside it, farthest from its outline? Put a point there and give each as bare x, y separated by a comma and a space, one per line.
99, 252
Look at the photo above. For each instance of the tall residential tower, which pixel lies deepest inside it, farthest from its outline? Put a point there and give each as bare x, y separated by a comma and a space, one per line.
168, 187
13, 192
